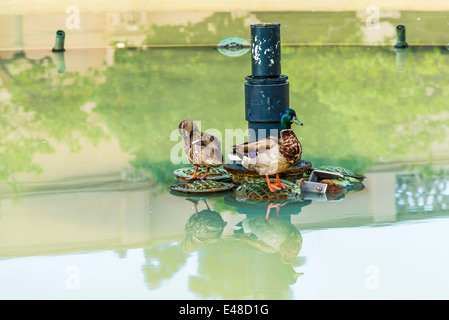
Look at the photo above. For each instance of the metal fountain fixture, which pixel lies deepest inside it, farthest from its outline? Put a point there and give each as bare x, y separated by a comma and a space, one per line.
266, 96
400, 48
59, 41
58, 50
266, 89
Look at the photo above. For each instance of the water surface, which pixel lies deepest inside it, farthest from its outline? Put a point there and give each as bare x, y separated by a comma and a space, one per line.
85, 168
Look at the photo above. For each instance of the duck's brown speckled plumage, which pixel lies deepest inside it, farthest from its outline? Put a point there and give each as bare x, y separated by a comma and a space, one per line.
202, 149
290, 147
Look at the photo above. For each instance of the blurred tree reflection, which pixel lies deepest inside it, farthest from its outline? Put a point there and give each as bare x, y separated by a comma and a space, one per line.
322, 27
147, 93
221, 271
54, 100
38, 107
360, 109
219, 25
161, 263
356, 108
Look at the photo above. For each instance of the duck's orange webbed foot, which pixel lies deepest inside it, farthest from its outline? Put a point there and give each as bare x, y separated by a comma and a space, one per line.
192, 178
277, 185
205, 175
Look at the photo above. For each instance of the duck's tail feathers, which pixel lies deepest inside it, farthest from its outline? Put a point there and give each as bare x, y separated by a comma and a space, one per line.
235, 155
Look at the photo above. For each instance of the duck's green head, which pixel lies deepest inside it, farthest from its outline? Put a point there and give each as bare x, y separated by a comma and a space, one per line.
288, 117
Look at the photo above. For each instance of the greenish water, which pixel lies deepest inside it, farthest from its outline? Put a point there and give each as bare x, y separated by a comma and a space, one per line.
85, 170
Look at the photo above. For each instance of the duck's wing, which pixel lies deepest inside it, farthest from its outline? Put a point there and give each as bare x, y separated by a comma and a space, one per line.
208, 139
186, 128
188, 131
254, 148
204, 149
210, 149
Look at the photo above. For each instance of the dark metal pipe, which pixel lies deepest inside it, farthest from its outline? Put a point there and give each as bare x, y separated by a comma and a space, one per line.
266, 90
400, 47
400, 37
265, 49
59, 42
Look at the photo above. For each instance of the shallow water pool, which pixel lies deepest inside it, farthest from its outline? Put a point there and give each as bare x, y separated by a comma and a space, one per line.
88, 144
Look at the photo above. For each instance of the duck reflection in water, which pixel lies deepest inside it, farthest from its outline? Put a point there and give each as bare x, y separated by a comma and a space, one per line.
273, 247
203, 228
272, 235
163, 261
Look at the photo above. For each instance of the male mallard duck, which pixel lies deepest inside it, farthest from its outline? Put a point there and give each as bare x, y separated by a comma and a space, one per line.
202, 149
272, 155
274, 235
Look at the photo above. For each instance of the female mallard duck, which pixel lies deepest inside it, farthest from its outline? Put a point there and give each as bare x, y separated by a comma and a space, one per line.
203, 228
272, 155
202, 149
